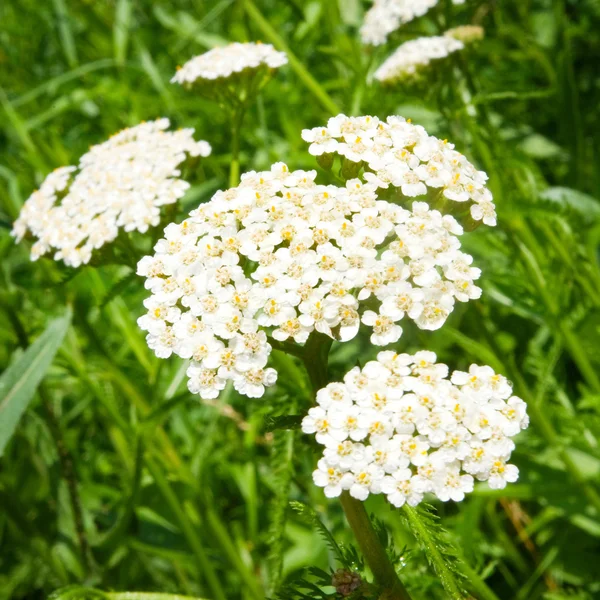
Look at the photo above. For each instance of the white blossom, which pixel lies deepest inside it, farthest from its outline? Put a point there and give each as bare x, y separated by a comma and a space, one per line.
226, 61
415, 164
413, 56
404, 426
118, 185
385, 16
280, 257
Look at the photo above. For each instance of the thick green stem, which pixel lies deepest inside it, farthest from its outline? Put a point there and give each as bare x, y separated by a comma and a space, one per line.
372, 549
315, 358
309, 81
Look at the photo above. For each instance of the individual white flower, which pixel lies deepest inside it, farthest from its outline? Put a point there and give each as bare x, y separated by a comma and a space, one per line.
119, 185
413, 56
404, 426
385, 16
329, 478
225, 61
398, 154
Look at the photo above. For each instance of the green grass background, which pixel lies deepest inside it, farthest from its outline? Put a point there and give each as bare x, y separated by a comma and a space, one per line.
176, 493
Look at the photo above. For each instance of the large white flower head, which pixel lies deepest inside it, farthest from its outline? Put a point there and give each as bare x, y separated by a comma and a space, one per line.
218, 65
412, 57
282, 256
119, 184
385, 16
403, 161
404, 427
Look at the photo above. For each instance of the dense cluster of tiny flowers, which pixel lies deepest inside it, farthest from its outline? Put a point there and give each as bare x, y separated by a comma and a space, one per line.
403, 427
385, 16
223, 62
400, 154
283, 255
119, 184
412, 57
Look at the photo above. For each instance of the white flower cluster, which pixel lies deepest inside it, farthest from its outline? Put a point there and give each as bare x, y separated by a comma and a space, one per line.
401, 427
401, 154
225, 61
413, 56
284, 255
385, 16
121, 183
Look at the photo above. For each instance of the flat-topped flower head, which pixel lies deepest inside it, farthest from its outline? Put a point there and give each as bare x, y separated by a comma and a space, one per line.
118, 185
403, 161
385, 16
209, 71
413, 57
281, 256
403, 427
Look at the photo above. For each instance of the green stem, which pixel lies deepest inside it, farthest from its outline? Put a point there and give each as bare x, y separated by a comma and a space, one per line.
433, 554
236, 126
68, 472
315, 358
372, 549
309, 81
187, 528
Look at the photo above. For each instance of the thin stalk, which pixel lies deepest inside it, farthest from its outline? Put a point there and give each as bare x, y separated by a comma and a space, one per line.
372, 549
68, 472
309, 81
187, 528
236, 126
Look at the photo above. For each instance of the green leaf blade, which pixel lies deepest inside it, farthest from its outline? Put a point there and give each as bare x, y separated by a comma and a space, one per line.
20, 381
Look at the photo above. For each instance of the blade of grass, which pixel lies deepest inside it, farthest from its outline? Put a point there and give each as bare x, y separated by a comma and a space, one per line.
307, 79
65, 32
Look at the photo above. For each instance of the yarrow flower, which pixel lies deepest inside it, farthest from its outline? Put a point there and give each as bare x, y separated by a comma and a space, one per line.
400, 157
282, 256
412, 57
119, 184
404, 427
385, 16
228, 61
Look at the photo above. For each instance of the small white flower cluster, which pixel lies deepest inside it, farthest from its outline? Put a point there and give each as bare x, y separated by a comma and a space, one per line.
385, 16
401, 427
412, 57
403, 155
283, 254
121, 183
225, 61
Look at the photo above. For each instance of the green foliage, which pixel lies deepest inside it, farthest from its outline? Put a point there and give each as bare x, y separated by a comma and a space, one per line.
20, 380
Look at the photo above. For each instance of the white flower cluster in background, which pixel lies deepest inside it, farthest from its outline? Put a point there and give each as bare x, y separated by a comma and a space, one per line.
119, 184
283, 255
398, 153
385, 16
225, 61
412, 57
403, 427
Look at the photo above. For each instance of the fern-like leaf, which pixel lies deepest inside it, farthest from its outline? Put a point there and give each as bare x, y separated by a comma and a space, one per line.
309, 516
433, 540
283, 469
